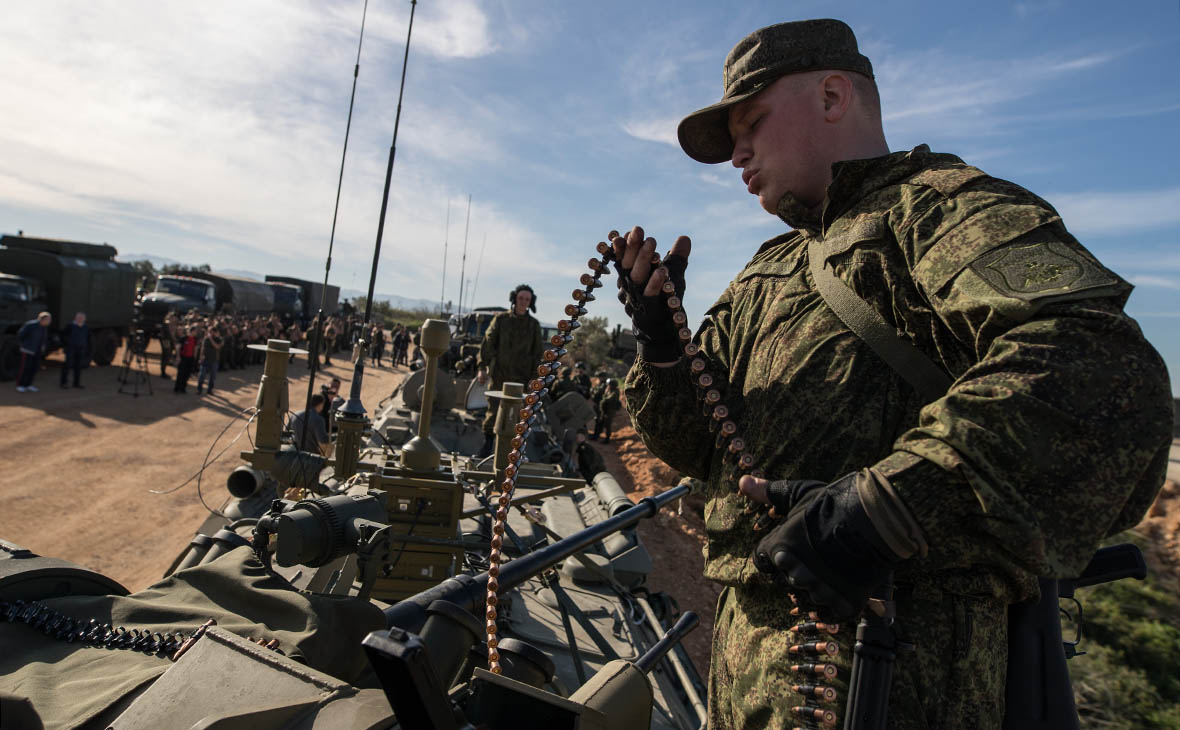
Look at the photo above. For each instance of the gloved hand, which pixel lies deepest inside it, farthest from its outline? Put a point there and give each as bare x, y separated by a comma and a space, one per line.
639, 283
828, 547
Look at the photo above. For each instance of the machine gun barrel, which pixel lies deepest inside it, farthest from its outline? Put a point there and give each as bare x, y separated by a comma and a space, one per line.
652, 656
469, 592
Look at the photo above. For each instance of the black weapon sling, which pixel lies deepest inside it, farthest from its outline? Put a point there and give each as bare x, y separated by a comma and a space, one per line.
1037, 678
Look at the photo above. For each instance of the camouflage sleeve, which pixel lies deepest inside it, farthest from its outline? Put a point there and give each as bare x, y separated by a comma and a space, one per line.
487, 348
663, 405
1058, 434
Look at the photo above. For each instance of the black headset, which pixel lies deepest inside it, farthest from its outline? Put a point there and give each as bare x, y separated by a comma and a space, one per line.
519, 289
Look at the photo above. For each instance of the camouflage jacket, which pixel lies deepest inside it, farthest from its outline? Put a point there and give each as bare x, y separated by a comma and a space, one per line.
1054, 433
511, 348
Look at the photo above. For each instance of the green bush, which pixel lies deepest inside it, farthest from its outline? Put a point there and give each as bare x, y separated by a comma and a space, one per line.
1130, 674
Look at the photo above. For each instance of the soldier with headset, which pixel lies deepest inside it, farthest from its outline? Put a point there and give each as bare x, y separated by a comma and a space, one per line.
510, 351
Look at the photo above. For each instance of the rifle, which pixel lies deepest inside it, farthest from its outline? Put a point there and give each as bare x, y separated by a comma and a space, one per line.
1037, 694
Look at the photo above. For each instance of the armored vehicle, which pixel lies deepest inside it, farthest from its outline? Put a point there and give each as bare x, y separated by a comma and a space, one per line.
62, 278
312, 293
352, 592
467, 331
205, 292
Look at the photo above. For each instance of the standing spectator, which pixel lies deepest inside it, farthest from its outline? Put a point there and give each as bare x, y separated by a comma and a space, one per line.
581, 379
168, 335
608, 405
401, 344
75, 340
187, 354
294, 336
33, 338
378, 339
329, 341
210, 356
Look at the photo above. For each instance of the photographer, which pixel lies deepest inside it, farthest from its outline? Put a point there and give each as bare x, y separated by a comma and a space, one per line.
332, 401
210, 357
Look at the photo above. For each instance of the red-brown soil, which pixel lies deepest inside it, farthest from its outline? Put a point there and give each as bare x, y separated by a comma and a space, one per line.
674, 537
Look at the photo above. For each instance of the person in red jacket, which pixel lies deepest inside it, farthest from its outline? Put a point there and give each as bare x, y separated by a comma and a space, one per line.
187, 353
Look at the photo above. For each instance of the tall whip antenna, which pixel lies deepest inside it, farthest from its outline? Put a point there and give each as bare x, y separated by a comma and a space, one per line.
353, 407
463, 265
442, 297
313, 344
478, 266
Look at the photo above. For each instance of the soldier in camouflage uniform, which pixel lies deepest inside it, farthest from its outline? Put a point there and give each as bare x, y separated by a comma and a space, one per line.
510, 352
1053, 433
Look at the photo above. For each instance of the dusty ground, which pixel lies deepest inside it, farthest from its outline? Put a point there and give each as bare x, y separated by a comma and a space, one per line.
673, 537
78, 468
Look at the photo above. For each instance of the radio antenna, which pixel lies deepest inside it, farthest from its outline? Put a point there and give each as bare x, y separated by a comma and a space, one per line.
353, 408
463, 265
478, 266
313, 342
442, 297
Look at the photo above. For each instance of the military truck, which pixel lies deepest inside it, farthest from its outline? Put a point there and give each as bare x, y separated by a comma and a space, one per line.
62, 278
204, 292
312, 293
289, 303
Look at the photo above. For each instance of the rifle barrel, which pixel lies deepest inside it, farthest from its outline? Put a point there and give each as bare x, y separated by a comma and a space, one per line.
469, 593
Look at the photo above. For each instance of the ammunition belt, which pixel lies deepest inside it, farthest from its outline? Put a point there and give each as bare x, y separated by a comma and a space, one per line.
90, 632
816, 645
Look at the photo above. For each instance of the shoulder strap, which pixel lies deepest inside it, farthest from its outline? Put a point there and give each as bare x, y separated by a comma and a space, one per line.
908, 361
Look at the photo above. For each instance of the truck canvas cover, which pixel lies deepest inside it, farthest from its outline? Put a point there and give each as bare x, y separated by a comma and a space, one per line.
78, 277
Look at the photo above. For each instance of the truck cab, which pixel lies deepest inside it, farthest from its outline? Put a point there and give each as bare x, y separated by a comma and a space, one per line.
176, 293
21, 299
289, 303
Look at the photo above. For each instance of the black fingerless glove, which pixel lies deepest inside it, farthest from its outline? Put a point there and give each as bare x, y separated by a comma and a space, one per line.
828, 547
656, 335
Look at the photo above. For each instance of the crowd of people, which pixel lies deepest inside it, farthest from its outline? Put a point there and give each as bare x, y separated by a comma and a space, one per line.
202, 344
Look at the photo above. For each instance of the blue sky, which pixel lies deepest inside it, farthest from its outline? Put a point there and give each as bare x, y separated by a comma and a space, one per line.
212, 132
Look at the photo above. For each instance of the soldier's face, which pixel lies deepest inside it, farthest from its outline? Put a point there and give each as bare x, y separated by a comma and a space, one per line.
779, 142
523, 300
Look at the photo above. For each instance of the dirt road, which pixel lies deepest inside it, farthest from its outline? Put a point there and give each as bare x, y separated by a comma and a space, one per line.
77, 466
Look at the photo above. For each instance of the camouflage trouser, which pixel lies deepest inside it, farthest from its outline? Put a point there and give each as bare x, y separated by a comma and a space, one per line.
953, 679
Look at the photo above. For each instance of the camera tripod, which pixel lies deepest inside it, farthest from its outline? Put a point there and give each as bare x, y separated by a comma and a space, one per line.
134, 372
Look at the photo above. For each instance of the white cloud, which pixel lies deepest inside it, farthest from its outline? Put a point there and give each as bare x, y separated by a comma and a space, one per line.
1156, 281
714, 179
935, 90
654, 130
1118, 212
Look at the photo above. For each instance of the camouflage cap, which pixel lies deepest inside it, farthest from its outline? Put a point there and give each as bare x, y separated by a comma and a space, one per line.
756, 62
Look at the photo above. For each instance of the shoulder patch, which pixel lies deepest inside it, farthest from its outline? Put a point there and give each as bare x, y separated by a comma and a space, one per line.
1036, 270
947, 180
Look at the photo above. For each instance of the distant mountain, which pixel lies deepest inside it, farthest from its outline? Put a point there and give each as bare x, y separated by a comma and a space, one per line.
395, 301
